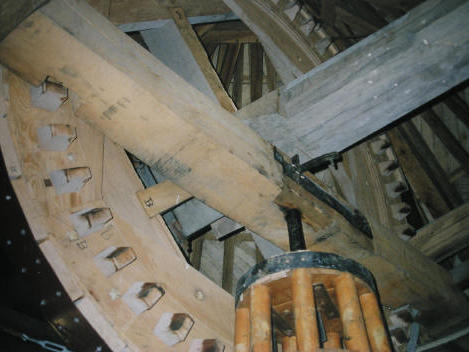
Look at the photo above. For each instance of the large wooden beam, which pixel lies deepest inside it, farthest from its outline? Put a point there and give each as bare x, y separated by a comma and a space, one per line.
445, 236
373, 83
129, 11
127, 94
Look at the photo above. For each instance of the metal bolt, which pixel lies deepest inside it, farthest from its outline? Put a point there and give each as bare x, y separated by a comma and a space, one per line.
58, 293
43, 302
8, 242
23, 270
8, 197
22, 232
99, 349
76, 320
38, 261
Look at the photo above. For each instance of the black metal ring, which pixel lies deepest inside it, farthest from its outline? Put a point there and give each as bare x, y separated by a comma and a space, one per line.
303, 259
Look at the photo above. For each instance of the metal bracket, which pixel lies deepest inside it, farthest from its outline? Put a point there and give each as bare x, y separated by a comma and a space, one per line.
295, 171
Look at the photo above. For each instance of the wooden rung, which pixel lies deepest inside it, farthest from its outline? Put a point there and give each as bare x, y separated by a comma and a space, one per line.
206, 345
49, 95
162, 197
70, 180
113, 259
87, 221
173, 328
142, 296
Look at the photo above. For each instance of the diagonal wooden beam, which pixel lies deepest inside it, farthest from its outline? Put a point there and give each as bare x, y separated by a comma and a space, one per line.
200, 55
447, 138
373, 83
459, 107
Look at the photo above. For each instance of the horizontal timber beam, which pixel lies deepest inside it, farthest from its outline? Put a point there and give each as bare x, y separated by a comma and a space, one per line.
136, 101
373, 83
445, 236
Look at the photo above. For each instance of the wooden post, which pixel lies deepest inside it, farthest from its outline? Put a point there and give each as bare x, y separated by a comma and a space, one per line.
289, 344
377, 334
355, 336
333, 340
242, 330
305, 311
261, 329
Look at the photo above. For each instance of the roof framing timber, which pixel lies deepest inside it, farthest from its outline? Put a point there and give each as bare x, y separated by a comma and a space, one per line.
373, 83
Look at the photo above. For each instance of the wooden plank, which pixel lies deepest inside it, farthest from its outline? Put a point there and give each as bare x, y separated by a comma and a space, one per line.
238, 79
447, 138
200, 55
66, 277
228, 32
7, 147
459, 107
420, 179
382, 78
13, 12
271, 75
228, 67
128, 11
428, 161
228, 264
170, 125
445, 236
162, 197
256, 70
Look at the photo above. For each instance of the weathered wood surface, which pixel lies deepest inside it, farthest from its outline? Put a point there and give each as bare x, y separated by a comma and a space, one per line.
373, 83
200, 56
13, 12
126, 93
73, 258
128, 11
291, 50
389, 252
420, 180
445, 236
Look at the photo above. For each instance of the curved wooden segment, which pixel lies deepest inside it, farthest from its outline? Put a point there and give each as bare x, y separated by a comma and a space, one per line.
125, 276
293, 40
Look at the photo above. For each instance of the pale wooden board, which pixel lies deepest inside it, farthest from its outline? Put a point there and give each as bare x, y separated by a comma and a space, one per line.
66, 277
156, 259
12, 162
162, 197
128, 11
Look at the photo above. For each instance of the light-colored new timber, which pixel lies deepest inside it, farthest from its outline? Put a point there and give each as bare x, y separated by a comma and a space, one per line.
162, 197
152, 258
